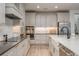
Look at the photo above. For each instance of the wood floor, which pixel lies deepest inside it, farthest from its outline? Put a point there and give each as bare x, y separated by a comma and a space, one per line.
39, 50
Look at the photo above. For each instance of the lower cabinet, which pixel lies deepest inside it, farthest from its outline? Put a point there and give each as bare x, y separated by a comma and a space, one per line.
50, 46
19, 50
53, 47
41, 39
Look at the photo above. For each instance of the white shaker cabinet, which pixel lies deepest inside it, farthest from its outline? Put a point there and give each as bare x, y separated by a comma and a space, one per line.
40, 20
43, 20
37, 20
2, 13
50, 46
51, 20
30, 19
27, 19
46, 20
41, 39
22, 48
2, 17
53, 46
63, 17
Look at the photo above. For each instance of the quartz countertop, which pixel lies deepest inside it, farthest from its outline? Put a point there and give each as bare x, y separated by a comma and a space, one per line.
5, 46
72, 43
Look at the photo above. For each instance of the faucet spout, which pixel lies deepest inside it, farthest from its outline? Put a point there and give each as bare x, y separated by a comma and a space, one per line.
5, 36
68, 34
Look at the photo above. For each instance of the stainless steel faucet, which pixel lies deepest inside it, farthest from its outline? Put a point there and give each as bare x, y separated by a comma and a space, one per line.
68, 34
5, 37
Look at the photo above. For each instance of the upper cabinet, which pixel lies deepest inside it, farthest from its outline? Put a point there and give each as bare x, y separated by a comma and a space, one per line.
63, 17
46, 20
40, 20
12, 11
51, 20
37, 21
30, 19
2, 13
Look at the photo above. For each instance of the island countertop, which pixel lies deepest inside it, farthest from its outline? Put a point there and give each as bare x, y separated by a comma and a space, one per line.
72, 43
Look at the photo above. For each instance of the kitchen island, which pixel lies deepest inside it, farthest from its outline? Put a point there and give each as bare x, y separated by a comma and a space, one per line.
72, 44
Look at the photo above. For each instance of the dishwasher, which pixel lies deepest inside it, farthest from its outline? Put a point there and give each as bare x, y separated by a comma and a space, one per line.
63, 51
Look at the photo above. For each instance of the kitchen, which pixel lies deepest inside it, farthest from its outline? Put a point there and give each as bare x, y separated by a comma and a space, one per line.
39, 29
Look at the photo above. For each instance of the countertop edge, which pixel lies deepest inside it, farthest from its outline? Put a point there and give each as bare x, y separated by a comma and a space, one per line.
11, 47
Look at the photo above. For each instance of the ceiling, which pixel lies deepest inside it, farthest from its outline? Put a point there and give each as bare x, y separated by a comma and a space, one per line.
50, 6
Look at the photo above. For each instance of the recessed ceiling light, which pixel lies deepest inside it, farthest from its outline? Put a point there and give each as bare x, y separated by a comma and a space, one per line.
38, 6
55, 6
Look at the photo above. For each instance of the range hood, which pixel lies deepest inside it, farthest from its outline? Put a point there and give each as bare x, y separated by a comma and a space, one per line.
12, 13
12, 16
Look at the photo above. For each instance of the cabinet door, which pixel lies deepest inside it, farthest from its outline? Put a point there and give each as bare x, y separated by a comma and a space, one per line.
54, 48
51, 46
41, 39
49, 43
30, 19
51, 20
43, 20
2, 13
27, 19
63, 17
38, 21
26, 46
20, 49
23, 47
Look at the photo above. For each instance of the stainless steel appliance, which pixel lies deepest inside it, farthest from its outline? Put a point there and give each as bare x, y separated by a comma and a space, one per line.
30, 31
